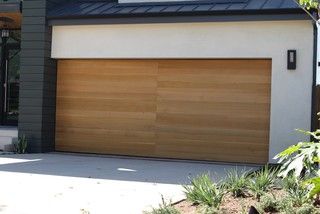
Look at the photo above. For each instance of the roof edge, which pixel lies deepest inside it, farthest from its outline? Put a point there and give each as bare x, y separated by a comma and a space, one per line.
10, 7
191, 13
176, 19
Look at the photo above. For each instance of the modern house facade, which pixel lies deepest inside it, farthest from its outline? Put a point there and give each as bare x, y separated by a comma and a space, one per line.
219, 80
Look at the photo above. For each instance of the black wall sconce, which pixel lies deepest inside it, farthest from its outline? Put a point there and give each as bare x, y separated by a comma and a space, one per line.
292, 60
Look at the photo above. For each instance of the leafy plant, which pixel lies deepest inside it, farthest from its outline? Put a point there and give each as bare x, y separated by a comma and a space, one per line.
286, 206
261, 181
297, 193
306, 209
205, 209
269, 203
299, 197
314, 183
303, 158
309, 3
204, 192
164, 208
21, 145
236, 183
244, 208
290, 183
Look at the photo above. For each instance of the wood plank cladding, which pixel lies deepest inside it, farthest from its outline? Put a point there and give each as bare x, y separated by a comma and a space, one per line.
38, 74
189, 109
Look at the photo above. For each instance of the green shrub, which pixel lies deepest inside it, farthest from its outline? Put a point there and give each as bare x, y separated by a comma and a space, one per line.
262, 181
299, 197
286, 206
295, 205
269, 204
306, 209
244, 208
236, 183
21, 145
205, 209
204, 192
164, 208
290, 183
297, 193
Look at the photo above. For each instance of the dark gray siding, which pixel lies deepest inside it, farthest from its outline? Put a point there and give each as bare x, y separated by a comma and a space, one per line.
38, 77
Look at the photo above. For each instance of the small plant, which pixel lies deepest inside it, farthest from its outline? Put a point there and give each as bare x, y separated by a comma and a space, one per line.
205, 209
300, 196
290, 183
244, 208
269, 203
204, 192
164, 208
286, 206
296, 191
306, 209
236, 183
262, 181
21, 145
84, 211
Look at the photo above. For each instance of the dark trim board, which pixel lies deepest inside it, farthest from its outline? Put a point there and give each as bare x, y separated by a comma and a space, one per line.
10, 7
192, 2
176, 19
317, 106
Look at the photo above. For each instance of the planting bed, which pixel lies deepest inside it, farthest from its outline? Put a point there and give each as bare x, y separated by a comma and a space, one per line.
241, 205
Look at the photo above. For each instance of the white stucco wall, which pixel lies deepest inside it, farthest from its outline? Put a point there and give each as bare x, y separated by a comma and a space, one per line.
291, 90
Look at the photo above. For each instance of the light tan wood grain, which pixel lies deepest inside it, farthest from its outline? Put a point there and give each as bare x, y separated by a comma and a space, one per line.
191, 109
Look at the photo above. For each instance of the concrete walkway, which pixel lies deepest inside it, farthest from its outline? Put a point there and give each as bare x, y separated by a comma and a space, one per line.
68, 183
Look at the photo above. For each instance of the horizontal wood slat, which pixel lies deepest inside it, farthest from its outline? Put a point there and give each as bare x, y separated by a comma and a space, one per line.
191, 109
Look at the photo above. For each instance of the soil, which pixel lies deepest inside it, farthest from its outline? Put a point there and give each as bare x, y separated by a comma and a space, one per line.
230, 204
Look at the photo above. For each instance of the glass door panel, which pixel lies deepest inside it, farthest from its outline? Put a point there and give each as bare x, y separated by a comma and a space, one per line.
11, 86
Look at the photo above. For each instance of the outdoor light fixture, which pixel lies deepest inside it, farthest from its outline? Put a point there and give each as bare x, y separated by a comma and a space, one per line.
5, 33
292, 60
6, 23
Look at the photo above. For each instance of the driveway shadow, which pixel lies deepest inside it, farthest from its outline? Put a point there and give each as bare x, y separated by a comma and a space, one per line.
114, 168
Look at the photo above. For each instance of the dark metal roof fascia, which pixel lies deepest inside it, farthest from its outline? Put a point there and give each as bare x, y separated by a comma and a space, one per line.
177, 19
6, 7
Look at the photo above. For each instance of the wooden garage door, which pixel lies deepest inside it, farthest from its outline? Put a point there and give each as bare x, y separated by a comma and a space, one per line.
191, 109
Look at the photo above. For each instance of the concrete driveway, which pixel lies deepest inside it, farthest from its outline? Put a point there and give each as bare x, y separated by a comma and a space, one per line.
68, 183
